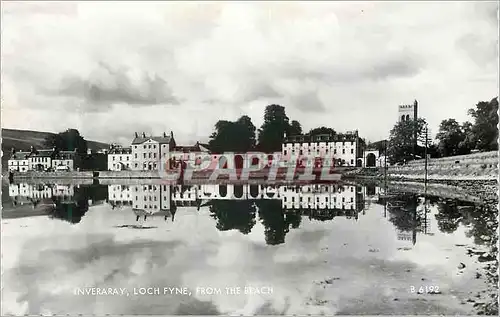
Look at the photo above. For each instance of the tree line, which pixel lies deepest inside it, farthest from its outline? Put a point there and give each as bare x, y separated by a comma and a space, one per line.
453, 138
242, 135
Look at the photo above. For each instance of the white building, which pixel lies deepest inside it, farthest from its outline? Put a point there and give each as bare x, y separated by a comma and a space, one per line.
148, 152
120, 159
342, 149
19, 161
41, 160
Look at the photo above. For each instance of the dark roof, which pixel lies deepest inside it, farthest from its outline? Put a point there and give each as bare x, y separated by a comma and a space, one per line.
43, 153
20, 155
321, 137
120, 150
159, 139
65, 154
188, 148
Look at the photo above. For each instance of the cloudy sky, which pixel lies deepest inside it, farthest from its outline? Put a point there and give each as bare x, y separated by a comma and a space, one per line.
109, 69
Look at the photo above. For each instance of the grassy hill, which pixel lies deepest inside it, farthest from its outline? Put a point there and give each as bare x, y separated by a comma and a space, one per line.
24, 139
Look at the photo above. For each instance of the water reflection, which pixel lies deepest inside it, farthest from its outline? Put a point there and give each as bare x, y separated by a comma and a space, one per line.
356, 218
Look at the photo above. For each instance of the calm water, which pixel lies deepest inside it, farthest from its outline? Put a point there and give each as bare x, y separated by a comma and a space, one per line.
317, 249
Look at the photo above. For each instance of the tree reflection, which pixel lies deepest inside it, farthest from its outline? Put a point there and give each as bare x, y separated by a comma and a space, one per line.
234, 214
273, 219
403, 212
448, 217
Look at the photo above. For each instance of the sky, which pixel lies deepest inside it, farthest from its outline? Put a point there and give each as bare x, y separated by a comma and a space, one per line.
112, 69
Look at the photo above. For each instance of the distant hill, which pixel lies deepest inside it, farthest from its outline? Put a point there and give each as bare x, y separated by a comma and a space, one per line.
24, 139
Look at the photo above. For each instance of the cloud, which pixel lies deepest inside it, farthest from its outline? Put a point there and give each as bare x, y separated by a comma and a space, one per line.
106, 86
214, 60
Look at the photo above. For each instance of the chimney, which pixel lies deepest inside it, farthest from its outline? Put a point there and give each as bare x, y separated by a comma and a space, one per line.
136, 135
144, 134
32, 149
164, 134
13, 150
171, 134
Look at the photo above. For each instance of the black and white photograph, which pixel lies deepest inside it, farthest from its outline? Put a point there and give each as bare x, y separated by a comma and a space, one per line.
244, 158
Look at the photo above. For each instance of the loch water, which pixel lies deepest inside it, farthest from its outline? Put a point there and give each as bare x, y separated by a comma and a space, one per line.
339, 248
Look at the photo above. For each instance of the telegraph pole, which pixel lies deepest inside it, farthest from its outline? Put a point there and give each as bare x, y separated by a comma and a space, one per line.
385, 166
425, 153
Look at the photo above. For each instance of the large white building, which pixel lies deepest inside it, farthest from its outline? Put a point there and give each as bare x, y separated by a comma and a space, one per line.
342, 148
148, 152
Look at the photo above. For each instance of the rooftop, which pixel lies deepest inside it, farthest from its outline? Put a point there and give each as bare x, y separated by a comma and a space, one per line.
321, 138
164, 139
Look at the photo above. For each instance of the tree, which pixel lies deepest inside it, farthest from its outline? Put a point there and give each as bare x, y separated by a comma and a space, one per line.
68, 140
237, 136
453, 138
276, 124
321, 130
295, 128
484, 129
402, 143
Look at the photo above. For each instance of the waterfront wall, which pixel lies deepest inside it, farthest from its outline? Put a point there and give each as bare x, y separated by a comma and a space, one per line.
129, 174
466, 167
478, 166
52, 175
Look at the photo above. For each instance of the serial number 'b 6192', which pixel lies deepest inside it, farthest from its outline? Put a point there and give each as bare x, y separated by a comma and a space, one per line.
425, 289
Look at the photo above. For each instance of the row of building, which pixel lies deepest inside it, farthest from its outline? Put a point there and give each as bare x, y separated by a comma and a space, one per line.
42, 160
151, 152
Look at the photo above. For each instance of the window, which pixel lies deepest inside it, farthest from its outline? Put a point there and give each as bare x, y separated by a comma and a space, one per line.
154, 146
352, 162
135, 147
154, 155
352, 151
343, 151
128, 157
135, 164
144, 155
144, 146
149, 154
334, 151
135, 155
352, 199
284, 152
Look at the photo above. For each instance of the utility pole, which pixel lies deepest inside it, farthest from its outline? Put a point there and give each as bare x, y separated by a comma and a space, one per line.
385, 167
425, 153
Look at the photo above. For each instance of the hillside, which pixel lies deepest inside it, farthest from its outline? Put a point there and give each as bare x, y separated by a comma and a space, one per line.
24, 139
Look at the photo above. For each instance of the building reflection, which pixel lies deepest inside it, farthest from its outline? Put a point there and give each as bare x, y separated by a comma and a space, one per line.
65, 202
233, 207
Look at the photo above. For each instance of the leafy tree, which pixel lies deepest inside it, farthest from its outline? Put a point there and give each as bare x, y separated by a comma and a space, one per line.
321, 130
295, 128
233, 214
453, 138
67, 141
484, 129
276, 124
237, 136
401, 145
